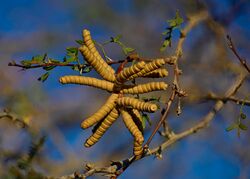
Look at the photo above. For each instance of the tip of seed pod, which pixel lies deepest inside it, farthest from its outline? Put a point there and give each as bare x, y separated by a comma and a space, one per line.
86, 145
61, 79
154, 107
164, 72
85, 32
84, 125
162, 61
165, 86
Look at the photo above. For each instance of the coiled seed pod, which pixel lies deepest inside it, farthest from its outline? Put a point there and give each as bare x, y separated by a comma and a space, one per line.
149, 67
128, 121
99, 65
127, 72
137, 150
158, 73
83, 80
91, 46
105, 124
145, 88
137, 104
101, 113
137, 118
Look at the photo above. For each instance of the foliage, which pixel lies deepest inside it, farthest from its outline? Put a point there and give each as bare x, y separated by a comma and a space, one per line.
173, 24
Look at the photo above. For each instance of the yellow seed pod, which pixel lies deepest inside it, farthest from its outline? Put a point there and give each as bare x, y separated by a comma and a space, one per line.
130, 124
99, 65
149, 67
105, 124
145, 88
158, 73
137, 104
91, 46
127, 72
138, 150
101, 113
83, 80
137, 118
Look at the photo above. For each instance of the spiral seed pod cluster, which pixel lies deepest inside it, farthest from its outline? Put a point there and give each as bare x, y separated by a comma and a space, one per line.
101, 113
105, 125
145, 88
137, 104
118, 103
82, 80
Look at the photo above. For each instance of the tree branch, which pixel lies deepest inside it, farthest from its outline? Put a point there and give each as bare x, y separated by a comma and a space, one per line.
232, 47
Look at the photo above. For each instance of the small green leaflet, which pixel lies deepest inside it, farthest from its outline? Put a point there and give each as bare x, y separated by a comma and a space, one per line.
80, 42
231, 127
172, 24
44, 77
116, 39
242, 126
145, 118
175, 22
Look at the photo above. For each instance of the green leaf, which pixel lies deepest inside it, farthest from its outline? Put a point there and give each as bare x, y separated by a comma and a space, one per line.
44, 77
87, 69
39, 58
165, 44
72, 50
231, 127
26, 62
116, 39
48, 68
243, 115
69, 59
128, 50
243, 127
75, 67
54, 60
145, 118
80, 42
175, 22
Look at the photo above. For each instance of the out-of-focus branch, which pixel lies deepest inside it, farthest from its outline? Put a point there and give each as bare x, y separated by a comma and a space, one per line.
233, 49
225, 99
13, 118
205, 121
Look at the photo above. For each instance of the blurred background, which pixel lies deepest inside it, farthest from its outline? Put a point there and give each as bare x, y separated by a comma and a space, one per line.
30, 28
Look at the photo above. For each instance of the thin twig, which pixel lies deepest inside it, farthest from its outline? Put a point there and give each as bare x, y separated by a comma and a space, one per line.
225, 99
233, 49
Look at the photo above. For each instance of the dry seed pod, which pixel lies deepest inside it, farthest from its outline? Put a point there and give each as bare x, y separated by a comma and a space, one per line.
127, 119
137, 118
137, 104
145, 88
101, 113
99, 65
127, 72
138, 150
149, 67
105, 124
91, 46
82, 80
158, 73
